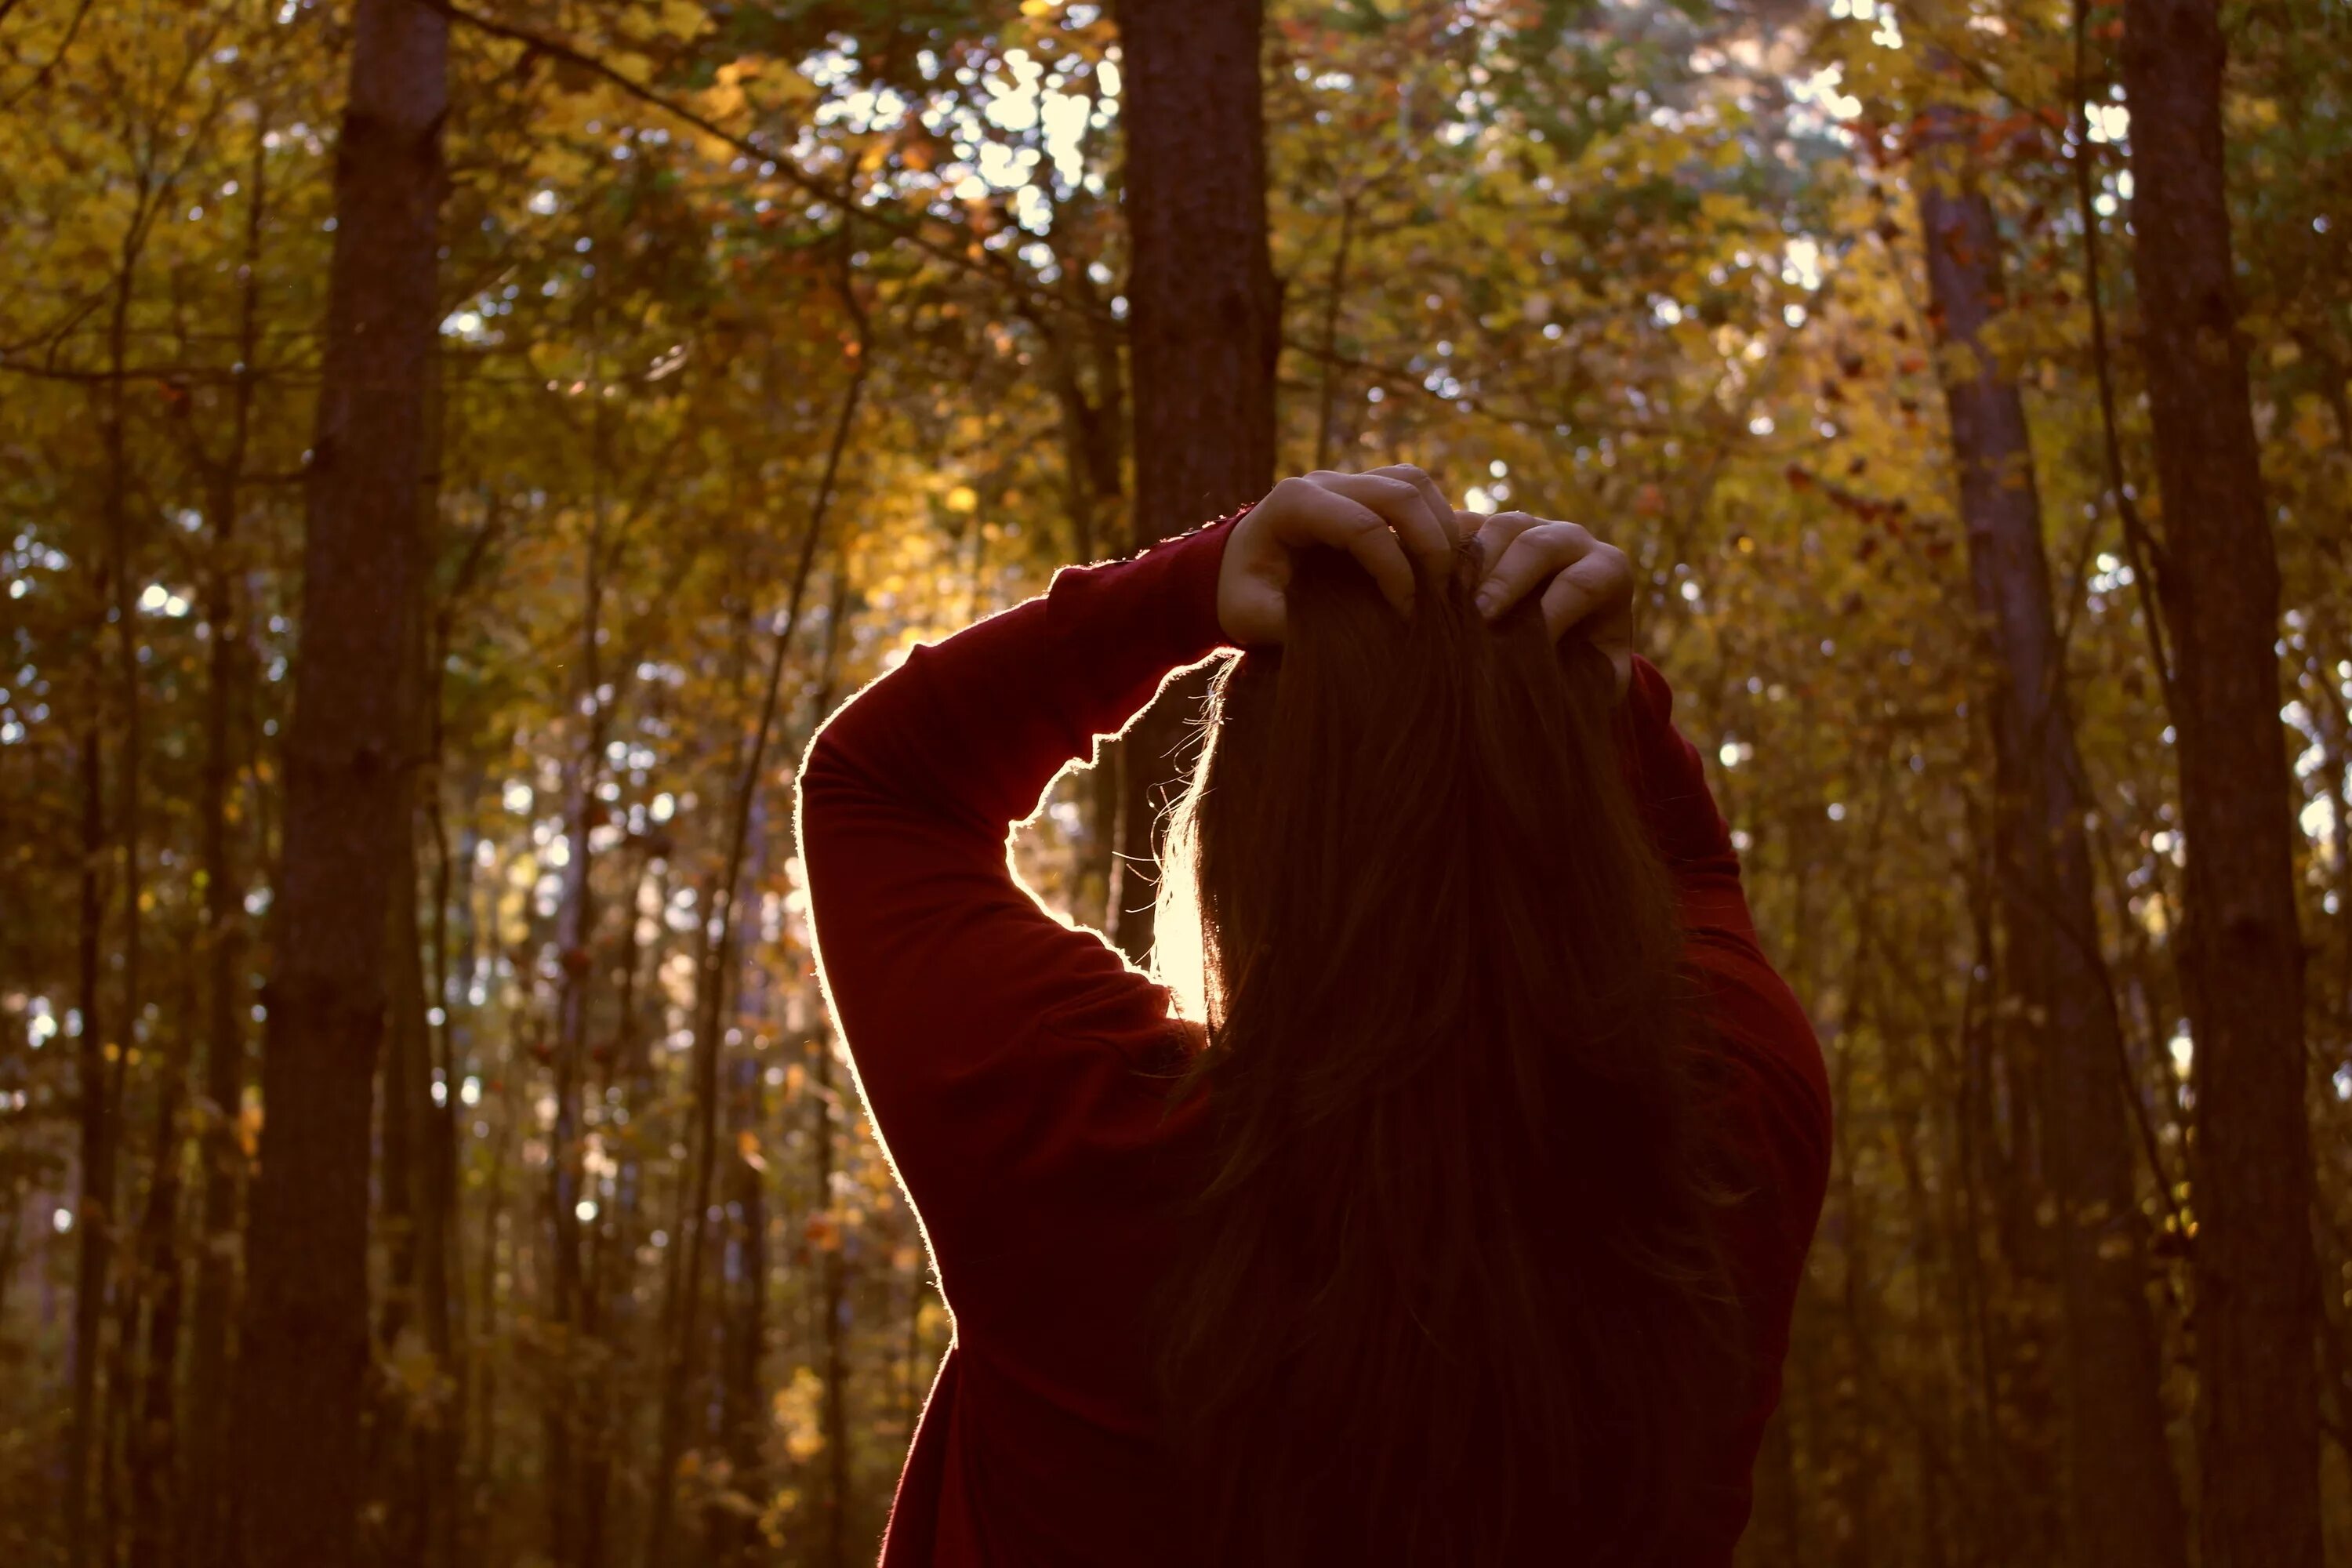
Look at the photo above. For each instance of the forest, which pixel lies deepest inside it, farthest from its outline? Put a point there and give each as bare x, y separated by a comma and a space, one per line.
455, 452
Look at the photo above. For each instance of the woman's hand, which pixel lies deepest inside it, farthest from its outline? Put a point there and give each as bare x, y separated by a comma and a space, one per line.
1386, 518
1587, 587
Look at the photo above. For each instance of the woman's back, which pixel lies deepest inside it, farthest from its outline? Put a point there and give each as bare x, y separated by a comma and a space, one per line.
1022, 1078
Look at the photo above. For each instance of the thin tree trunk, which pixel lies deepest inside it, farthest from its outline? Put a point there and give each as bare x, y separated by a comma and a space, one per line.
744, 1276
402, 1416
2138, 548
2014, 1314
822, 1104
128, 833
1860, 1401
1204, 327
626, 1228
1094, 492
346, 804
96, 1153
482, 1364
570, 1506
2256, 1276
90, 1437
149, 1442
2334, 759
2121, 1497
1335, 293
11, 1237
683, 1303
204, 1431
423, 998
442, 1283
824, 1101
405, 1424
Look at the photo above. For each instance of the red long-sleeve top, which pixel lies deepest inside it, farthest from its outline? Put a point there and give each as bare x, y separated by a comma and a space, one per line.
1001, 1054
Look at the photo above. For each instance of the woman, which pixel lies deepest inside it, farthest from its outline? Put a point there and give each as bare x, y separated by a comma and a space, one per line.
1467, 1226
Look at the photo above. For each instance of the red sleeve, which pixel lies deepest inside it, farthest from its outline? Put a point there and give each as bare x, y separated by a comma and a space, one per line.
1775, 1096
1753, 1006
977, 1020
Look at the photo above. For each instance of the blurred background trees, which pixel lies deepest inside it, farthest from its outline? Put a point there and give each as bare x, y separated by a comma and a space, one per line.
573, 442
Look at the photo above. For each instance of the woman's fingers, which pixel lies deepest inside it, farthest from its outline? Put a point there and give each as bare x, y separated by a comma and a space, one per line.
1425, 526
1522, 553
1493, 535
1390, 517
1595, 587
1435, 499
1316, 513
1577, 575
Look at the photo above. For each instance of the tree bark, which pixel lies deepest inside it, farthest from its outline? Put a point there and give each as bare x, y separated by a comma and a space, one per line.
1204, 327
129, 829
89, 1439
1093, 425
732, 1530
2121, 1497
1335, 294
406, 1442
572, 1510
2242, 970
822, 1103
346, 804
227, 681
97, 1151
156, 1277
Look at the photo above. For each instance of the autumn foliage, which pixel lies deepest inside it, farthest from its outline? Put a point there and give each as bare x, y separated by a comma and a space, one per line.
775, 339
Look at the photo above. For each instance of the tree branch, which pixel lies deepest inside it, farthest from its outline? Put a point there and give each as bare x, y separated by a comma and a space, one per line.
41, 76
2145, 552
843, 196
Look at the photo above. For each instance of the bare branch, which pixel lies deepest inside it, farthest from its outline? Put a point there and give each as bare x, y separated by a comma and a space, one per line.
41, 76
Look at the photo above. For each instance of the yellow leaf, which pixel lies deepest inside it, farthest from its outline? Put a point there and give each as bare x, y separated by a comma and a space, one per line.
796, 1408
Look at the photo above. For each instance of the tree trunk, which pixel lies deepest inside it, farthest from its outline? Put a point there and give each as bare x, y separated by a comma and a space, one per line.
441, 1237
2121, 1497
2009, 1271
1335, 294
822, 1103
97, 1151
130, 1000
1093, 425
744, 1415
90, 1437
730, 1528
346, 804
157, 1277
571, 1509
2256, 1278
206, 1429
625, 1226
1204, 327
404, 1442
420, 1008
228, 674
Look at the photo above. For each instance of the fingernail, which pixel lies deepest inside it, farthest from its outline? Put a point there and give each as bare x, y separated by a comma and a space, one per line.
1486, 602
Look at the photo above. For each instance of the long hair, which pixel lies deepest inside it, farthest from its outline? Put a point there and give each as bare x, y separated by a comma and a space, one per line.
1449, 1296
